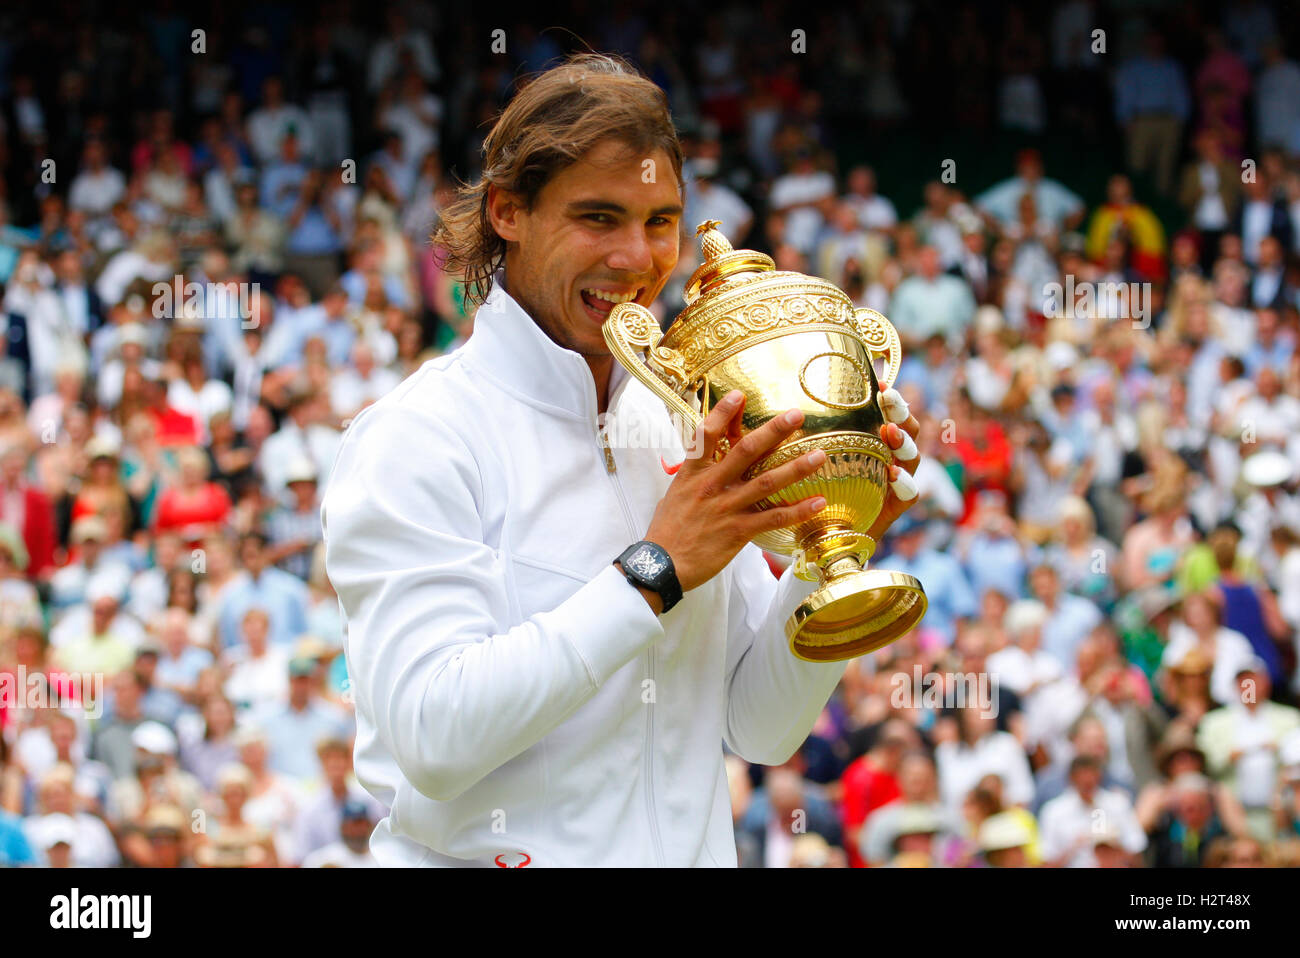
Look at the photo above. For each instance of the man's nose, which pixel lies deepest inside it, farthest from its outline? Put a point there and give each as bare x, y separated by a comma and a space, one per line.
631, 252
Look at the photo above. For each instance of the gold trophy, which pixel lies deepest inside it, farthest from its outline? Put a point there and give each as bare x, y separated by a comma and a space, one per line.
787, 340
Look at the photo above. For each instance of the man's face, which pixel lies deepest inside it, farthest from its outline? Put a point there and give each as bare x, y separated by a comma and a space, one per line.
356, 833
1086, 780
596, 228
916, 779
927, 263
102, 612
1270, 252
63, 732
1091, 741
57, 797
336, 766
251, 554
1044, 584
1194, 807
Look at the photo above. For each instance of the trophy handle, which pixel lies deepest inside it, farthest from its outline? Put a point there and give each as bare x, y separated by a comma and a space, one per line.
881, 338
632, 334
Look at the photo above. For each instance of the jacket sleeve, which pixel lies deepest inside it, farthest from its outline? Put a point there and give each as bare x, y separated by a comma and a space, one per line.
451, 693
773, 698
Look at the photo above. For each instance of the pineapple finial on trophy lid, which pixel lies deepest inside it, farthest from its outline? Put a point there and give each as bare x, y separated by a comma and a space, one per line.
721, 261
715, 242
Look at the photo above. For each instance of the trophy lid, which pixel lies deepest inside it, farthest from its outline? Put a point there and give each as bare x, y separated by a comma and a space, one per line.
721, 262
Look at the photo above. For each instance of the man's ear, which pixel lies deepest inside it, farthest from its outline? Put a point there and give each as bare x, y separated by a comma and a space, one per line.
505, 210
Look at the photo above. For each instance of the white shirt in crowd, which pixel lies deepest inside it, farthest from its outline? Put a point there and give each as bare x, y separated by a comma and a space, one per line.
801, 225
716, 201
338, 855
1068, 819
1232, 652
961, 767
212, 397
260, 681
874, 212
95, 192
90, 841
349, 390
77, 624
1254, 735
317, 442
267, 127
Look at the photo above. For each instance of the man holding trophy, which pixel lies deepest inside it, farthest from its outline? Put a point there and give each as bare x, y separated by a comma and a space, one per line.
548, 634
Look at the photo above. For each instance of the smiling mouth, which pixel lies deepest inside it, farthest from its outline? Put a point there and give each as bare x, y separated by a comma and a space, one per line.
599, 302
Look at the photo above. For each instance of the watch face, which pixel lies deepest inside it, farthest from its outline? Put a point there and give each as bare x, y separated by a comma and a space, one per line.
645, 563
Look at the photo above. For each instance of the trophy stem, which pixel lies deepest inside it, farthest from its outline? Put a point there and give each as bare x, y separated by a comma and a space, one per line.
847, 565
837, 551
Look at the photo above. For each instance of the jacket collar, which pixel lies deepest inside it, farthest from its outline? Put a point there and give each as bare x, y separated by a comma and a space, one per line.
511, 350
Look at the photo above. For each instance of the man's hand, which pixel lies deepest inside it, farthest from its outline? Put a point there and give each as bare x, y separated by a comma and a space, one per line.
900, 435
710, 511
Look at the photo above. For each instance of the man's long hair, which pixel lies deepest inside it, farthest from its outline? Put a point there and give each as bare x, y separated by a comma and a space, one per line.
556, 117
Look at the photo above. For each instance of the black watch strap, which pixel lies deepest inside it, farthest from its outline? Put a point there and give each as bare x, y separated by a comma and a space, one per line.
651, 567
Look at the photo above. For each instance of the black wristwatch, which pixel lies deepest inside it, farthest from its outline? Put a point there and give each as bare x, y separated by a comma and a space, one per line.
650, 567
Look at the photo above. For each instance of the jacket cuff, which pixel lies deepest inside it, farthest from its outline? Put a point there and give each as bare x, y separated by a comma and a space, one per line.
608, 622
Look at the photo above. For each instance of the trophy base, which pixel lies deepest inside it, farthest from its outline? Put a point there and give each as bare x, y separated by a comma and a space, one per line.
854, 614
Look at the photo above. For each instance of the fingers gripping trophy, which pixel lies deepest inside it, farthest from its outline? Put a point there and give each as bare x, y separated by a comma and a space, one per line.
788, 340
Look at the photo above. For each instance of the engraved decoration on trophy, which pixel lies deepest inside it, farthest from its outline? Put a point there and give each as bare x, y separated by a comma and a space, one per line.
788, 340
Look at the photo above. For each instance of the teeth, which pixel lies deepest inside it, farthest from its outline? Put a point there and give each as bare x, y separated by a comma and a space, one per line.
614, 298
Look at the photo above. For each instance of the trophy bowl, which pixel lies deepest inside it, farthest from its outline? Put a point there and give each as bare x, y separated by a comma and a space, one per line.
787, 340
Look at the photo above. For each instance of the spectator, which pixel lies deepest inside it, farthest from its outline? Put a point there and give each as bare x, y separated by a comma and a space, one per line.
1152, 103
1070, 820
294, 726
156, 780
273, 802
784, 808
322, 815
1210, 191
97, 187
274, 120
886, 829
710, 199
951, 597
1055, 203
1183, 834
282, 596
231, 840
802, 195
1004, 840
1084, 561
214, 747
871, 781
1241, 740
1277, 95
303, 431
1069, 617
194, 507
352, 849
1122, 215
977, 749
90, 843
295, 530
257, 669
1199, 628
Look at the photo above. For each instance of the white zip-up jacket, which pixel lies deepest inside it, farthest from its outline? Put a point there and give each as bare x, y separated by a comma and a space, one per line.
517, 700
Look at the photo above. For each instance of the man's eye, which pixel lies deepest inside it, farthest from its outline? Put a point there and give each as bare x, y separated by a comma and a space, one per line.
598, 217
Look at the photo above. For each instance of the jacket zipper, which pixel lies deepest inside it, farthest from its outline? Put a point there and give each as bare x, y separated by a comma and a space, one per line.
611, 467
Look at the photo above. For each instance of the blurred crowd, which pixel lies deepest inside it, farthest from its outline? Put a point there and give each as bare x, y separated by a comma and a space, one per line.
212, 259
